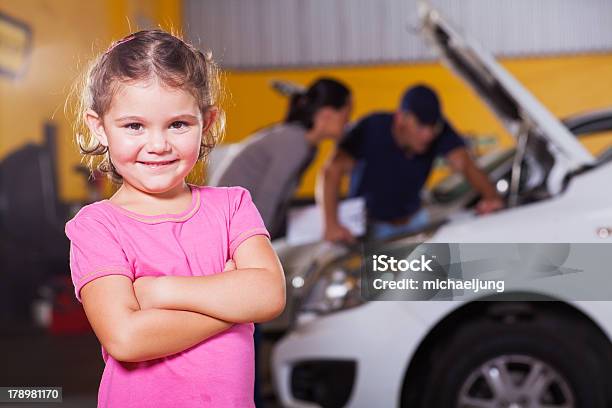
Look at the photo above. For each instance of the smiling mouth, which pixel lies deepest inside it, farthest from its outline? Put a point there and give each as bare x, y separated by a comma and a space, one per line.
158, 163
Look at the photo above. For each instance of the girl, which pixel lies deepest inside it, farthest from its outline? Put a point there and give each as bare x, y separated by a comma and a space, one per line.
270, 163
175, 332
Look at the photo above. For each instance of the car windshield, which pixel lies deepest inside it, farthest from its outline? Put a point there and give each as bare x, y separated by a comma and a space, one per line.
594, 132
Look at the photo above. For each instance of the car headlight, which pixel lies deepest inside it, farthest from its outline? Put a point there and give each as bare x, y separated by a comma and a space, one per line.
337, 287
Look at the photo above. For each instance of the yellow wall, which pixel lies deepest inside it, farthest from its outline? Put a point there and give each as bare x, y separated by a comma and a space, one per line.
69, 32
566, 85
66, 34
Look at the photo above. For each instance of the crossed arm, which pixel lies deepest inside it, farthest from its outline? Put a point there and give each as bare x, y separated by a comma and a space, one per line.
157, 317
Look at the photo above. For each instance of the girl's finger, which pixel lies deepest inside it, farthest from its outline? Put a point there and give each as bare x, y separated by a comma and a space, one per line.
229, 265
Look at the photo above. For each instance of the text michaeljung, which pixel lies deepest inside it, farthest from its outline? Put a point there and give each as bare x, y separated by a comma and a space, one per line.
474, 285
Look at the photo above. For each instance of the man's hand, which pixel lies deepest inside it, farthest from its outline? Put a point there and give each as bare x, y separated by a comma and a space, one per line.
489, 205
460, 161
327, 188
338, 233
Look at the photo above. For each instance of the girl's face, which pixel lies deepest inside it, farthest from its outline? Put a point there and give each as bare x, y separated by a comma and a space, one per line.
153, 135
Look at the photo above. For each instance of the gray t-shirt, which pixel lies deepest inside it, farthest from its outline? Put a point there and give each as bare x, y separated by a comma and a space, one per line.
270, 164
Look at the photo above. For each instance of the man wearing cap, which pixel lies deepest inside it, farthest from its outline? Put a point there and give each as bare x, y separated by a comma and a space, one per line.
391, 156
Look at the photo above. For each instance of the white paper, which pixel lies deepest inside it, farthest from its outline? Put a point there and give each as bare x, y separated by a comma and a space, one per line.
305, 224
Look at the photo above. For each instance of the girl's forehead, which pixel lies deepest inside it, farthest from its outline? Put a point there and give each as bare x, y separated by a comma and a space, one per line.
152, 96
150, 86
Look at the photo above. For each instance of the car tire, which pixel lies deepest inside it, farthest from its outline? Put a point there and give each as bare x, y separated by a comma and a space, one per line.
566, 353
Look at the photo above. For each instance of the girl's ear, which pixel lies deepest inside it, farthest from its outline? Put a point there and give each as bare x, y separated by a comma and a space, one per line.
96, 126
209, 118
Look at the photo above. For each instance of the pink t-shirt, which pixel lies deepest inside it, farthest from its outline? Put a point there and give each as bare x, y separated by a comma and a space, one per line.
108, 240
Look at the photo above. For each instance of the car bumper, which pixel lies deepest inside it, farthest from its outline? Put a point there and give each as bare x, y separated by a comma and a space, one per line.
359, 356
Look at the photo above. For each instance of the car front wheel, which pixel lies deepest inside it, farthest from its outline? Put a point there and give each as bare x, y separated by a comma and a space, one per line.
544, 361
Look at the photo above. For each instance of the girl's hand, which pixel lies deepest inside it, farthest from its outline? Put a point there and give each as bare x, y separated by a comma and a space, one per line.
229, 266
150, 290
146, 289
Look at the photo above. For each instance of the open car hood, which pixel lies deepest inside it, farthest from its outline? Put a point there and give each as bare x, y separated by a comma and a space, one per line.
510, 101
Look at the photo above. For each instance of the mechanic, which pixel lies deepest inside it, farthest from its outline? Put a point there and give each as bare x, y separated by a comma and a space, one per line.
390, 156
270, 163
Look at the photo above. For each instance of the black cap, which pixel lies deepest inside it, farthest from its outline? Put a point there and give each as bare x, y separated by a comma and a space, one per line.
423, 102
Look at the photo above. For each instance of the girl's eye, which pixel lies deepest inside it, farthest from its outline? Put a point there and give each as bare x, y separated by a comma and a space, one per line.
133, 126
179, 124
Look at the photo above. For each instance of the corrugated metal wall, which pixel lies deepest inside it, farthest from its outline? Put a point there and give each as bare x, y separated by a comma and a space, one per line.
286, 33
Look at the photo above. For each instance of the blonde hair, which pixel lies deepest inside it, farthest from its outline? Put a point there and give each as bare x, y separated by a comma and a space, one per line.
142, 56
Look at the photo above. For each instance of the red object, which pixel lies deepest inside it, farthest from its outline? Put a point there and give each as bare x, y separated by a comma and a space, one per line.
67, 316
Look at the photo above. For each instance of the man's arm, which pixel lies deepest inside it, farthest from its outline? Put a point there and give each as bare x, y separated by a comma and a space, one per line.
328, 187
460, 161
130, 334
254, 292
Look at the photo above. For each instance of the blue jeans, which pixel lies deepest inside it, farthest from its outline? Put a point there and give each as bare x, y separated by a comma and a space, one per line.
383, 230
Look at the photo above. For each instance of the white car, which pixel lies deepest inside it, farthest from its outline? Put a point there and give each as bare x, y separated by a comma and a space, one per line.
343, 351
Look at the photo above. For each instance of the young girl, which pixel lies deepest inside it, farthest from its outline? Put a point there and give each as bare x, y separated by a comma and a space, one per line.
171, 275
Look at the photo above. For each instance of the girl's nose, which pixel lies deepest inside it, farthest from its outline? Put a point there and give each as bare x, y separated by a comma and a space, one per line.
158, 142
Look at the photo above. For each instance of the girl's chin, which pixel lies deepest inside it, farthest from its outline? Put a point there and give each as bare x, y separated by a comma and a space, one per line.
159, 186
